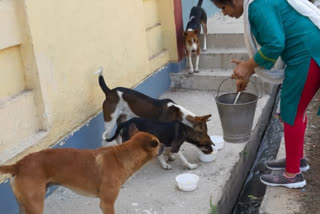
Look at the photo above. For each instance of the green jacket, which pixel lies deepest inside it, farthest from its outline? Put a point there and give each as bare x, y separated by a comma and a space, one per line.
281, 31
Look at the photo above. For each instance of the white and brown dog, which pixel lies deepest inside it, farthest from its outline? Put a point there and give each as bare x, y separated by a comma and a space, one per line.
121, 103
90, 172
197, 18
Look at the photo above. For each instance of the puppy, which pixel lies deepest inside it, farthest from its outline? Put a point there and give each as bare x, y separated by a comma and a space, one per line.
123, 102
171, 134
197, 18
97, 173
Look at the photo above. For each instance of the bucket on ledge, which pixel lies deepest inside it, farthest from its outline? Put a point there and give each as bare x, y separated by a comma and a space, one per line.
236, 119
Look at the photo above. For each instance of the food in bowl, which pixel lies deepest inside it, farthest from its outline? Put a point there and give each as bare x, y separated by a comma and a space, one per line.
208, 157
187, 182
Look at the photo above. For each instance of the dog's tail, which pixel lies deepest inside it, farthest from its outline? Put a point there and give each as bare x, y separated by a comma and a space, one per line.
8, 169
102, 83
199, 3
116, 133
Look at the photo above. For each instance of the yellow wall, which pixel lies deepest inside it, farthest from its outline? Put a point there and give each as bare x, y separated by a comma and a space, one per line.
54, 48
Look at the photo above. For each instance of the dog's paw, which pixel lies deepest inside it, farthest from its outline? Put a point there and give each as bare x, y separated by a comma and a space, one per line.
192, 166
204, 49
196, 71
166, 166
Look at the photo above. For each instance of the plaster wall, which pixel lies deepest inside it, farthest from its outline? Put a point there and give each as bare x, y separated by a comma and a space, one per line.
60, 44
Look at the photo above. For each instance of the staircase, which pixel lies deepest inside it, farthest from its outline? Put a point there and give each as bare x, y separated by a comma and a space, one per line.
225, 42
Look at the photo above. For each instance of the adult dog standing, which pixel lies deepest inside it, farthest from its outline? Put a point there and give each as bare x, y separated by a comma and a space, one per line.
97, 172
197, 18
121, 103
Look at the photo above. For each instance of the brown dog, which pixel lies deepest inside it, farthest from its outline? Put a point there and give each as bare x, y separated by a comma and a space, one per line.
98, 173
121, 103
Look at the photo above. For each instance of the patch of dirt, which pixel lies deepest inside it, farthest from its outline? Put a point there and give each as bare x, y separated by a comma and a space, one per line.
310, 196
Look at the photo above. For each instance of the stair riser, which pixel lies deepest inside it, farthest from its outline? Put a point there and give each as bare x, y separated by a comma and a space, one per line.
224, 41
212, 82
218, 60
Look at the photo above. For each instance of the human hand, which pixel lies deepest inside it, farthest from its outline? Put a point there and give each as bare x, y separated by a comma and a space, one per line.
243, 72
243, 69
241, 84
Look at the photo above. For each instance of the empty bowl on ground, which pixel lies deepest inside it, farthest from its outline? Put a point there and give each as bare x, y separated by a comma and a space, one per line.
208, 157
218, 141
187, 182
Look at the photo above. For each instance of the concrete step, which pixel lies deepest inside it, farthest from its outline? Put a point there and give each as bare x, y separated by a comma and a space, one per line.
210, 79
224, 40
220, 57
20, 114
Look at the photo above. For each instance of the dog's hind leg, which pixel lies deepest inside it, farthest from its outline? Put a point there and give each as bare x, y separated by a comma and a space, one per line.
186, 163
120, 120
30, 195
109, 126
205, 33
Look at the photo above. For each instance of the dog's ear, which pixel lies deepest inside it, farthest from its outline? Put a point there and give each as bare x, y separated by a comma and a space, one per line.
190, 118
154, 143
205, 118
133, 130
196, 31
185, 33
174, 113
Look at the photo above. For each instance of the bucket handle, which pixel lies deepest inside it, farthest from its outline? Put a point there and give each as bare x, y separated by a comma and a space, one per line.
231, 78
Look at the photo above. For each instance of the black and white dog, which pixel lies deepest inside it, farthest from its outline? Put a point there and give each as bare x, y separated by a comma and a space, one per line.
170, 133
197, 18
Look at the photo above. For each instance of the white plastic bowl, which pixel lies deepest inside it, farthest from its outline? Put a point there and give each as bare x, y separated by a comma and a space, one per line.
187, 182
218, 141
208, 157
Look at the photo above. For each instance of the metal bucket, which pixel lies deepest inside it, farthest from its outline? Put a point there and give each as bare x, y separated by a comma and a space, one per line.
236, 119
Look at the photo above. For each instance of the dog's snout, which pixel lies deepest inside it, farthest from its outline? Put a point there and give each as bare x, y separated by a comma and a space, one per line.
207, 149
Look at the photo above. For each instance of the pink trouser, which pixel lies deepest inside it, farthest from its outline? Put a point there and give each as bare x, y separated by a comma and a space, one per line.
294, 135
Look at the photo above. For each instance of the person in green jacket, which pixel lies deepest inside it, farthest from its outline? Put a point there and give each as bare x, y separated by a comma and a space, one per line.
282, 31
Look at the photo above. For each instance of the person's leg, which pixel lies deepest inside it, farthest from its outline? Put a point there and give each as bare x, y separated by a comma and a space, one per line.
294, 135
294, 138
